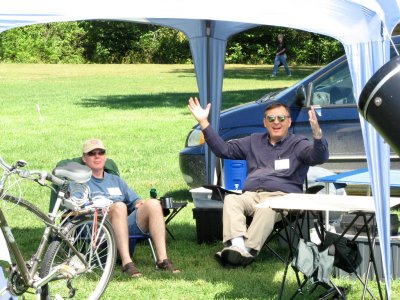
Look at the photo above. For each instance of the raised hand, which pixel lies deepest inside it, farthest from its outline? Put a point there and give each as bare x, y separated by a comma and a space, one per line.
199, 113
312, 117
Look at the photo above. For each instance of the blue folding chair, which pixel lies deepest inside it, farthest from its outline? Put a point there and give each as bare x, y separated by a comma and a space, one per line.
137, 238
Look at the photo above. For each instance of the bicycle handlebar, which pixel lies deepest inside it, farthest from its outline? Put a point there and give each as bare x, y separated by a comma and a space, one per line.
78, 198
43, 175
54, 179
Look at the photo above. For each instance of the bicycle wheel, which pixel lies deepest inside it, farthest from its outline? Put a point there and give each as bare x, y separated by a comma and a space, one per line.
98, 247
28, 206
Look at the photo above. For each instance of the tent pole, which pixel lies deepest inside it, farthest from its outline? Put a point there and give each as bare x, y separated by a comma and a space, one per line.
209, 165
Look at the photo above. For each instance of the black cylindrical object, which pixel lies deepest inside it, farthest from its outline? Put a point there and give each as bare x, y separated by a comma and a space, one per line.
380, 102
167, 202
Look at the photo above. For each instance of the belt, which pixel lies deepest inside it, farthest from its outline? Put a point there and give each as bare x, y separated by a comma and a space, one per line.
261, 190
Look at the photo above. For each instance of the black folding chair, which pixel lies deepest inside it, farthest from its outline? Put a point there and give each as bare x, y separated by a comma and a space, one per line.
219, 193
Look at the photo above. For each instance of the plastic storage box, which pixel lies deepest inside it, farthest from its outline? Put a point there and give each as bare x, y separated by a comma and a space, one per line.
362, 243
208, 224
235, 173
359, 223
202, 198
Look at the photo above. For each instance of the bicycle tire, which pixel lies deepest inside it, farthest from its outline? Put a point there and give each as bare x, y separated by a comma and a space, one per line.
28, 206
91, 283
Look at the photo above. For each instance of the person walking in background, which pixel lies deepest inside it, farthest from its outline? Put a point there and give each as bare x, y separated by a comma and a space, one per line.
281, 57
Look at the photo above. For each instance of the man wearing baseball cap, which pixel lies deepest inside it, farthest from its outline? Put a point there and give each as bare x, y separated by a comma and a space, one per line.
129, 214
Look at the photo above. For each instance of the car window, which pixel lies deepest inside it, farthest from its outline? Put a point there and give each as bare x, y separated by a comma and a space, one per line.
333, 88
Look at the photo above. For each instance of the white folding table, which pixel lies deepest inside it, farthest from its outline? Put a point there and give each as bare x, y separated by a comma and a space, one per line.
356, 177
359, 205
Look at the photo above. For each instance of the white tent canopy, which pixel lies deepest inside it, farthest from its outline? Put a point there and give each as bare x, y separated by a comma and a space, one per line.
362, 26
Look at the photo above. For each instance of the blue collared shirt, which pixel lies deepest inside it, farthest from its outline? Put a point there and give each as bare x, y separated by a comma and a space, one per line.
280, 167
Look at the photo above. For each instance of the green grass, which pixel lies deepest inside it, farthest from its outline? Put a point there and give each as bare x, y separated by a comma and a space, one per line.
140, 112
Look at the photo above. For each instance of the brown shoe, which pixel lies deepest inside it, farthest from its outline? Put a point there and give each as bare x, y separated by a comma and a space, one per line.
131, 270
167, 265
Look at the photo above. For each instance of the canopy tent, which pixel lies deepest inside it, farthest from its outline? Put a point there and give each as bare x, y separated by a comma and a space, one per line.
362, 26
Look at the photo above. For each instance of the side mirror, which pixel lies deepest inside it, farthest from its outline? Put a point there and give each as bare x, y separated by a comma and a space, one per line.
301, 96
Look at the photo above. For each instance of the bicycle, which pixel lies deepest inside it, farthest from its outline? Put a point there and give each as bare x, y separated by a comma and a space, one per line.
81, 250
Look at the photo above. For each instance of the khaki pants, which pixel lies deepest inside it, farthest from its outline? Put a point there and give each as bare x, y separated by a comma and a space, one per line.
238, 207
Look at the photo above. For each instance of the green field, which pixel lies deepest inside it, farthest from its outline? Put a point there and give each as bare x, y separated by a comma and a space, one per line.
139, 111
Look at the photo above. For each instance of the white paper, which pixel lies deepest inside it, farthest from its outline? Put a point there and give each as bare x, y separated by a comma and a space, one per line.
282, 164
115, 191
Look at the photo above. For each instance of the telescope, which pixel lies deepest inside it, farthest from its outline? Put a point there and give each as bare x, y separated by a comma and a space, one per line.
379, 102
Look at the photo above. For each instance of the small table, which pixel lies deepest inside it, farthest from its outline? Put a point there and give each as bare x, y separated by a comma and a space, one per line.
357, 177
176, 208
361, 205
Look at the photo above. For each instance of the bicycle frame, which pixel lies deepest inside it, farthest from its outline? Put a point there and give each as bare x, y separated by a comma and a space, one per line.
28, 270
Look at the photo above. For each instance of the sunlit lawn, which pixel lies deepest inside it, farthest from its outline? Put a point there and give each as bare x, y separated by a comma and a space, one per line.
139, 111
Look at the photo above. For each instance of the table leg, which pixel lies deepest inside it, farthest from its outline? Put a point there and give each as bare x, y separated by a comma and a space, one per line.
175, 210
290, 232
371, 252
371, 245
170, 233
284, 278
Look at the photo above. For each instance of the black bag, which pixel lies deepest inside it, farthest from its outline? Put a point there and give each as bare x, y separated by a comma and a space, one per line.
346, 252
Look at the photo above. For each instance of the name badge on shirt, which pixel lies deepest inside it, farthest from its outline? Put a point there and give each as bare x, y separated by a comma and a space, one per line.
115, 191
282, 164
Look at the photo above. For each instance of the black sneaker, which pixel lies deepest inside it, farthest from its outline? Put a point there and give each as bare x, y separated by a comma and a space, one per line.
236, 256
218, 258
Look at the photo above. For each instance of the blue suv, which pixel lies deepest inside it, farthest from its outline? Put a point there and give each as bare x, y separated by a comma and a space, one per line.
330, 89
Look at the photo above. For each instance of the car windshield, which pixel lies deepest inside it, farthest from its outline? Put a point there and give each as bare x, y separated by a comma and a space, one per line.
282, 94
333, 88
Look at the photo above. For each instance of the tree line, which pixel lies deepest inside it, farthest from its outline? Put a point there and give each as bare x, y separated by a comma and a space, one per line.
117, 42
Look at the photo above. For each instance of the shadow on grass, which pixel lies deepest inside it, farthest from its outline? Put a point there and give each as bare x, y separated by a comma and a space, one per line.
260, 280
258, 73
229, 98
178, 100
179, 195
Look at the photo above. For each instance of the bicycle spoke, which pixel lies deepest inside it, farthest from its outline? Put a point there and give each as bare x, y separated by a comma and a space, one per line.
87, 283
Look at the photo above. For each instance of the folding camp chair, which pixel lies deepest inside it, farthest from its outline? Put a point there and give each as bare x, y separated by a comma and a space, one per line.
111, 168
135, 239
279, 226
219, 193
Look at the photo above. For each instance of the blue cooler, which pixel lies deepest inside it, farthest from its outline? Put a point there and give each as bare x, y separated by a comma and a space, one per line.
235, 172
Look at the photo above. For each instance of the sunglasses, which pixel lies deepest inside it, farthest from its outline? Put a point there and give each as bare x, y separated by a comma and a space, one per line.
98, 152
272, 118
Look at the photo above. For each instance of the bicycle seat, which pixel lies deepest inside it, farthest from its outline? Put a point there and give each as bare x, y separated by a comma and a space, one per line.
74, 171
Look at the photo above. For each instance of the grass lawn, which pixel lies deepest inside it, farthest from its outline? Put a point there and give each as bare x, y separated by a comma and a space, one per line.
139, 111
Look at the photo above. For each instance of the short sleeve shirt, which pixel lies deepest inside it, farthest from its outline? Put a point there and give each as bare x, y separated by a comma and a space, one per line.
113, 188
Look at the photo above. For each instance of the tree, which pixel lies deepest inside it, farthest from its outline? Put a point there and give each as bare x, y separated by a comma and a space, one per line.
258, 45
44, 43
128, 42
